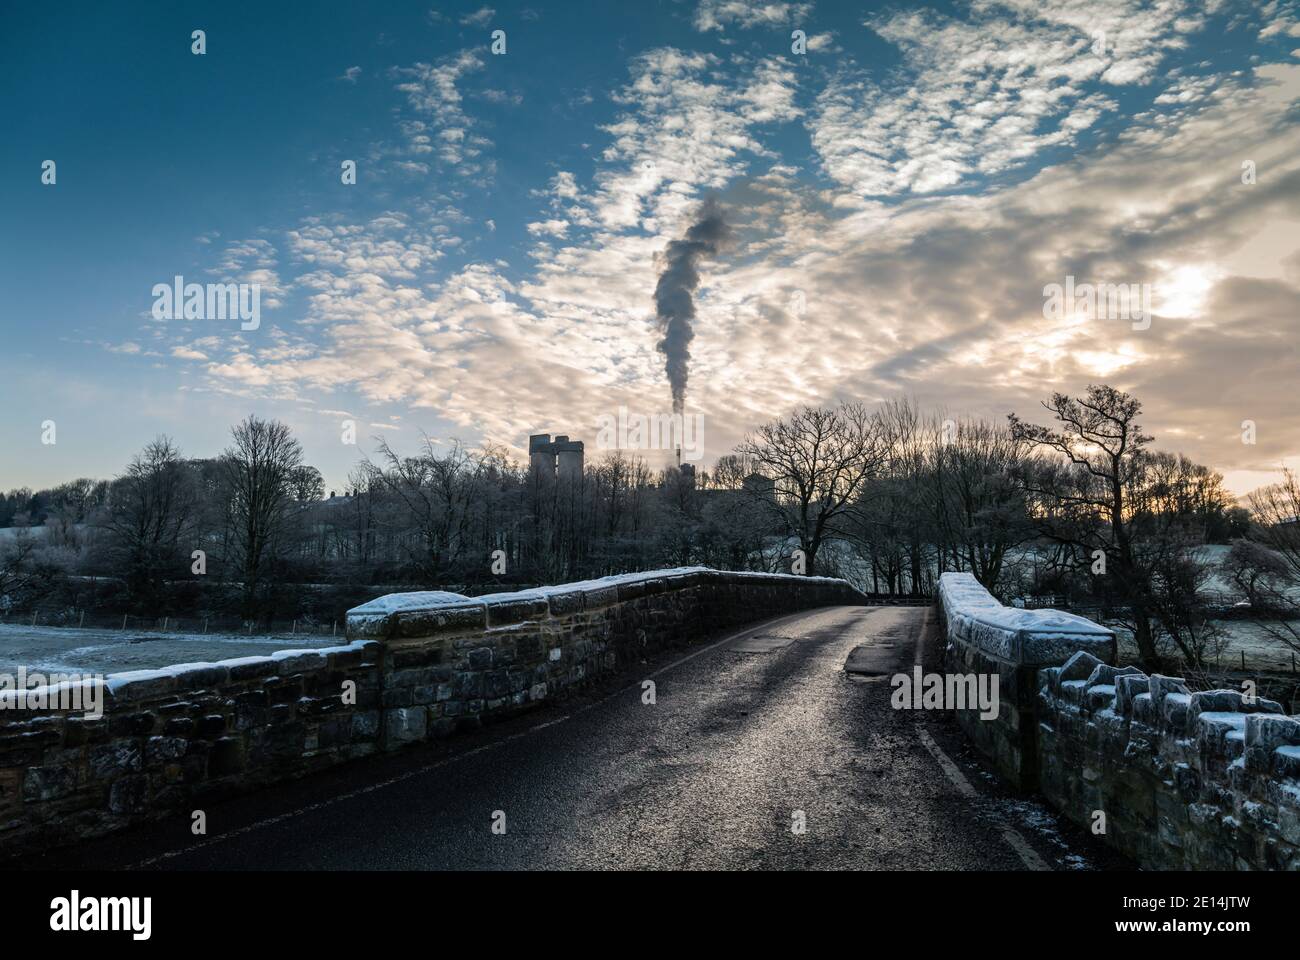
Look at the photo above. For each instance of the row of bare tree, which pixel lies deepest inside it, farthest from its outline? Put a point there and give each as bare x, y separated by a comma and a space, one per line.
1081, 506
887, 496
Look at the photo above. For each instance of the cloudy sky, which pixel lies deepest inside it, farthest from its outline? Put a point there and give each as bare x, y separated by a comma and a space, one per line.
899, 195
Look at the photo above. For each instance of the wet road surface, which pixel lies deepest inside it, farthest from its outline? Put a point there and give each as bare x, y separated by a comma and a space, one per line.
748, 739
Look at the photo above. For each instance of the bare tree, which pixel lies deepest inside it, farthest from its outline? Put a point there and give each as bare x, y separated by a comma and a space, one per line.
1276, 510
358, 536
1260, 573
25, 577
1129, 517
820, 461
1079, 497
440, 493
306, 484
259, 467
151, 511
1267, 581
976, 504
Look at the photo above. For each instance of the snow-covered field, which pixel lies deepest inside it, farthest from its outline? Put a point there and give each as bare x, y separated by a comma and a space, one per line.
1213, 556
36, 533
70, 650
1263, 652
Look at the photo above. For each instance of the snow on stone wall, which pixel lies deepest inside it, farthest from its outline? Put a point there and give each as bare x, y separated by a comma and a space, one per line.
170, 739
1185, 781
1032, 637
453, 661
984, 637
419, 665
1174, 779
411, 613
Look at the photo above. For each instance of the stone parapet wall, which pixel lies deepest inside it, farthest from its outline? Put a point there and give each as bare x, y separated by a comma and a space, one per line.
453, 661
418, 666
985, 638
1173, 779
170, 741
1185, 781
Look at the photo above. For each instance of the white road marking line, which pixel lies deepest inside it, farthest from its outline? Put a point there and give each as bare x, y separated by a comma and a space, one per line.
1009, 833
428, 768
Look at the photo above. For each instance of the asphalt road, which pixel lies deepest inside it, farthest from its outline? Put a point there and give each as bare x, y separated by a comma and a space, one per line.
745, 735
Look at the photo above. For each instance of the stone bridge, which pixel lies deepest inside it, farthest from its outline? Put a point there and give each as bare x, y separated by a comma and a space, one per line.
1174, 779
676, 718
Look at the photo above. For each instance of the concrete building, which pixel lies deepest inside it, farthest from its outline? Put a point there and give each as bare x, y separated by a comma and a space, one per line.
541, 455
569, 455
760, 486
561, 457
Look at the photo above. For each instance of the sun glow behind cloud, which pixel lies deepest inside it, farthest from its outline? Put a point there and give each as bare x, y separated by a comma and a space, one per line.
755, 355
1183, 290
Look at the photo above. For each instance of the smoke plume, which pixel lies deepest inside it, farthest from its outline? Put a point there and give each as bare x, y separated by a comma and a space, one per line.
674, 294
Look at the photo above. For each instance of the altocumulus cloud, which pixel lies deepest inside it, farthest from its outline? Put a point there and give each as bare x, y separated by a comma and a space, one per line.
906, 257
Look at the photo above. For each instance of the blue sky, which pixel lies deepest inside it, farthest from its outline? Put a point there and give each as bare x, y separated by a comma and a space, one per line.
900, 195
